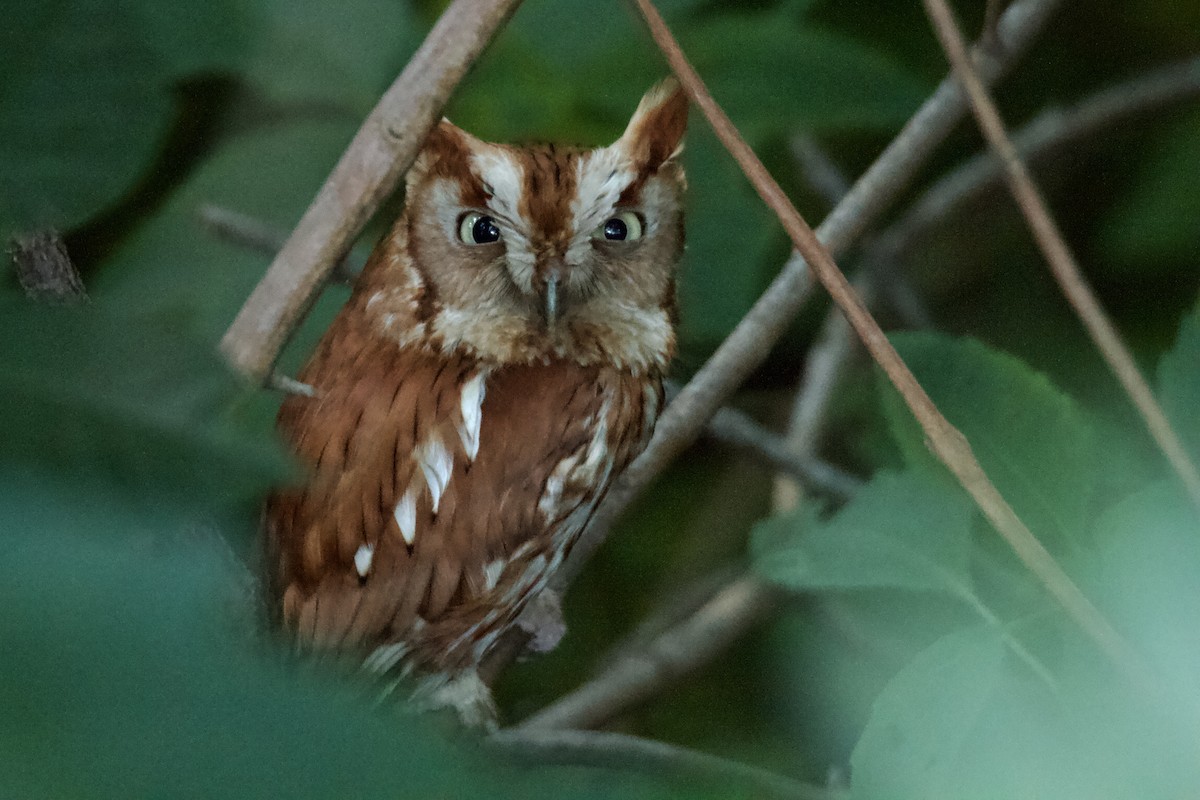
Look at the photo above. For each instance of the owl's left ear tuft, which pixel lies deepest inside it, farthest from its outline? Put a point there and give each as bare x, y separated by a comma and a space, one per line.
655, 132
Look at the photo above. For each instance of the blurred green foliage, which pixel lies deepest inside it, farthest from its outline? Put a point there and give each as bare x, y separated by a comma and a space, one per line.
1009, 700
916, 651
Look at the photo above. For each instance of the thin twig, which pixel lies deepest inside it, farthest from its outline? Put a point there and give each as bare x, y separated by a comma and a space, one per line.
824, 367
829, 356
1050, 132
262, 237
623, 752
991, 17
1058, 255
819, 170
747, 346
367, 172
680, 601
243, 230
946, 442
736, 428
634, 676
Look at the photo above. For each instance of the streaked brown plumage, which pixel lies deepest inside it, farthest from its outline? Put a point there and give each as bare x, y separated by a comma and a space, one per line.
497, 366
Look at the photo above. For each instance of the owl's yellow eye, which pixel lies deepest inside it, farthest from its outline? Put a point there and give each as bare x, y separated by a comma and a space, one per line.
624, 227
476, 228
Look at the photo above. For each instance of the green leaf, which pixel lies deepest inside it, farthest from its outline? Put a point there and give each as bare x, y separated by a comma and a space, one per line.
1033, 441
900, 531
134, 679
1179, 384
87, 393
961, 721
83, 108
140, 672
965, 720
924, 716
1150, 552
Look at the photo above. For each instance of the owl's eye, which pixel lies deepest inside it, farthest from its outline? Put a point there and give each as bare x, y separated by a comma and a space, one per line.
476, 228
624, 227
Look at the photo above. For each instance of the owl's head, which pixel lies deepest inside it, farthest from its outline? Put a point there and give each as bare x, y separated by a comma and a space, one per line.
519, 254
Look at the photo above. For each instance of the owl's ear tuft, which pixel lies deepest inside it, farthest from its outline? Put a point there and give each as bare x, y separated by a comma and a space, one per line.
446, 151
655, 132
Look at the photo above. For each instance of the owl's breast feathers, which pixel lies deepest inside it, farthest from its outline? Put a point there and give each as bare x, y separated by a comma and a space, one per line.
443, 491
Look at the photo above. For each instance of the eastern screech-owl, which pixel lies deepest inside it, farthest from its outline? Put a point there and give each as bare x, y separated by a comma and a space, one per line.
496, 367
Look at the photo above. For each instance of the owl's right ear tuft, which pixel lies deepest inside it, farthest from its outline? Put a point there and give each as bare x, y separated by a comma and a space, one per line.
655, 132
446, 151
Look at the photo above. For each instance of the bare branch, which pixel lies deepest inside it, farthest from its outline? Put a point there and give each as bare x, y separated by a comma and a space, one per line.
1058, 255
635, 676
748, 344
1051, 131
828, 358
826, 362
819, 170
243, 230
991, 18
623, 752
734, 427
367, 172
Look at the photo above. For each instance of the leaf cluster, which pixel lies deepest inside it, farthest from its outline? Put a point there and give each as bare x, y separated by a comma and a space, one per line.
1001, 696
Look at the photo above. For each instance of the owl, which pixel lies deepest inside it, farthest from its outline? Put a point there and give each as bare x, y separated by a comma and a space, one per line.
497, 366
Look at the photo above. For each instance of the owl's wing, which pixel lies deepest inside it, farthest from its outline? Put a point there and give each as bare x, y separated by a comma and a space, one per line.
443, 492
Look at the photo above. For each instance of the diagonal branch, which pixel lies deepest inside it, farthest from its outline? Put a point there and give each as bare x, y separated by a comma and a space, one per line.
367, 172
946, 442
1062, 263
747, 346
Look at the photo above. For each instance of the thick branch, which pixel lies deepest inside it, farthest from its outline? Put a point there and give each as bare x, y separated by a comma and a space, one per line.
747, 346
620, 751
369, 170
1058, 255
